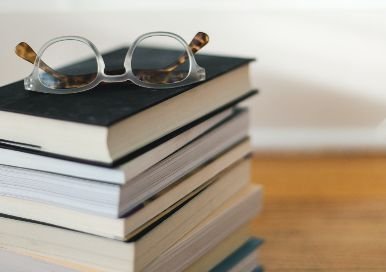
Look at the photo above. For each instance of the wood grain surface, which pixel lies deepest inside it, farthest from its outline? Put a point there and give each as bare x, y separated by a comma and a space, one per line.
322, 213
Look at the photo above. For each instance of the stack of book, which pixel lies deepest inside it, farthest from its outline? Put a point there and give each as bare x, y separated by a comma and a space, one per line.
122, 178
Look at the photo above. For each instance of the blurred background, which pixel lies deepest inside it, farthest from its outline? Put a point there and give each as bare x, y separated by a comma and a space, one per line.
321, 64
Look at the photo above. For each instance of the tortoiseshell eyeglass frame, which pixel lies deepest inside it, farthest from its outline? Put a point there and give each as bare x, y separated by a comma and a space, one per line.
81, 83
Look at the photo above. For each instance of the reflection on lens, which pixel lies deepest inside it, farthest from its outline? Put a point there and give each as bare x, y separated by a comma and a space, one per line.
68, 64
160, 60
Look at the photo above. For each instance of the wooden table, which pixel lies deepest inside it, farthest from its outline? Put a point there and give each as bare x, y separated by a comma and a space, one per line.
322, 213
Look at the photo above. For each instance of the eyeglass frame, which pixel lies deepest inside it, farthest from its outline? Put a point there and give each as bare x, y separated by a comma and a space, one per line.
195, 74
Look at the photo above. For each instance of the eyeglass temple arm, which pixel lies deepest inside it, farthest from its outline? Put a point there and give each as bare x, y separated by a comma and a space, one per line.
198, 42
24, 51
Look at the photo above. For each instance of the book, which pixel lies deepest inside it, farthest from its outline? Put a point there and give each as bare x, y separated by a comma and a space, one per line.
12, 262
24, 263
113, 120
230, 163
106, 254
242, 259
116, 200
180, 256
122, 170
221, 250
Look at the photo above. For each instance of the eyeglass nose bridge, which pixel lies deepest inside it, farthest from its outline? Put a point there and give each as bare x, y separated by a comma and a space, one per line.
115, 78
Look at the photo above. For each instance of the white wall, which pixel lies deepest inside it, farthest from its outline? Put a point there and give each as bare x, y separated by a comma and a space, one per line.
321, 68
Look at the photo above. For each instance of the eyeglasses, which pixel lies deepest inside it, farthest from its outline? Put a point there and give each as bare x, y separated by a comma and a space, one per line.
57, 69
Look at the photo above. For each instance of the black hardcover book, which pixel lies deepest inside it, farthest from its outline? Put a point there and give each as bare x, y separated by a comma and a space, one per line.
113, 120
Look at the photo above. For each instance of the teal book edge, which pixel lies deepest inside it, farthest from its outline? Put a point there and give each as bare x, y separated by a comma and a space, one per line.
238, 255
